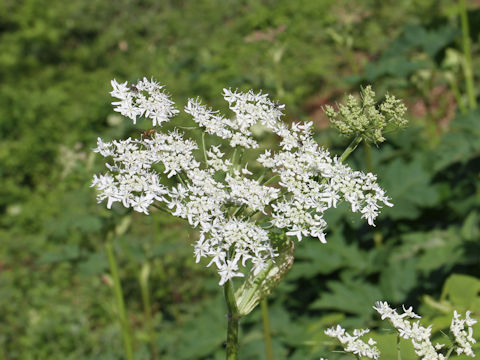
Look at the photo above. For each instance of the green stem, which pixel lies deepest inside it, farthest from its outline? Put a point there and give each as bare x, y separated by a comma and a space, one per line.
239, 209
233, 318
233, 157
179, 177
127, 341
353, 145
156, 206
271, 179
266, 329
147, 308
260, 178
458, 96
368, 156
399, 353
449, 353
204, 149
467, 52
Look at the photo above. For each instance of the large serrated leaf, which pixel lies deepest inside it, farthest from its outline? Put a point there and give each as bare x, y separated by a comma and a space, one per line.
354, 297
461, 143
408, 185
438, 249
398, 279
462, 291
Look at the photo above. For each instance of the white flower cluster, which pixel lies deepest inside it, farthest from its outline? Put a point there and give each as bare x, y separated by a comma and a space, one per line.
146, 98
317, 182
464, 339
420, 336
353, 344
249, 108
232, 210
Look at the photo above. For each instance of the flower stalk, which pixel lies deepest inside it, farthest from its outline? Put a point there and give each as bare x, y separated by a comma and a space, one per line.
266, 329
147, 308
351, 147
117, 287
233, 318
399, 353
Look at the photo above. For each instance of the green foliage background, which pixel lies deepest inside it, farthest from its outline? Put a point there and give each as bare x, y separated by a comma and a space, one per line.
56, 61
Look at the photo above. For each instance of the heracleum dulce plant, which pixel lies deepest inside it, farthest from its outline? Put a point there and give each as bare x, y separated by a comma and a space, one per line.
249, 213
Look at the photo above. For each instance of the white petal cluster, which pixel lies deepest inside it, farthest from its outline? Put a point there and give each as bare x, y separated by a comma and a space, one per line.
463, 338
353, 344
249, 109
232, 210
250, 192
317, 182
250, 242
419, 335
409, 330
146, 98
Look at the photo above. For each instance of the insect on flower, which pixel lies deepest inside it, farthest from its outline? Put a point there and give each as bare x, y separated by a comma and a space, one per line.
278, 105
147, 134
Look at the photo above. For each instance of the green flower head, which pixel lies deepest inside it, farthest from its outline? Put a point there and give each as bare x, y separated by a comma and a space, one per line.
363, 117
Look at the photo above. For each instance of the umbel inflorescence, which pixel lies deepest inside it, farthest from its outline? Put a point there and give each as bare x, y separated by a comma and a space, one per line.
235, 211
408, 329
367, 119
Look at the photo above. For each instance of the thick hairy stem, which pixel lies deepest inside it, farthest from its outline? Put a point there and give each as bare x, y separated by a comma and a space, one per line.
233, 318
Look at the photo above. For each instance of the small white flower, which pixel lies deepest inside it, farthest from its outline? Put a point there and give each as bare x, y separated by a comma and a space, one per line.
464, 339
145, 98
353, 344
417, 334
228, 271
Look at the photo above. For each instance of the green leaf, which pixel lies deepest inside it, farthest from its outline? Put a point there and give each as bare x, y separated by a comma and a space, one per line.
461, 143
471, 227
63, 253
95, 264
387, 344
408, 185
462, 291
355, 297
398, 279
438, 249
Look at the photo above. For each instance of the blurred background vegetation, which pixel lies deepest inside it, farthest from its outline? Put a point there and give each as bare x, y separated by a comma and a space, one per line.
56, 62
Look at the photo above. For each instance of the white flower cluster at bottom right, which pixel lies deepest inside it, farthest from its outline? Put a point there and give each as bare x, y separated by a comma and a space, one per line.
419, 335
